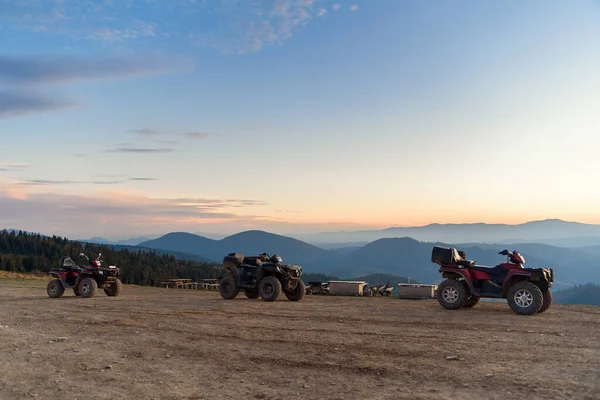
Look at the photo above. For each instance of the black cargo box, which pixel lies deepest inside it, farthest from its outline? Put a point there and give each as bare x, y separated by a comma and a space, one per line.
444, 255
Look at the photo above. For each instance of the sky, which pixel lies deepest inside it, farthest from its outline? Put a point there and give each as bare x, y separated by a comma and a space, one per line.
133, 117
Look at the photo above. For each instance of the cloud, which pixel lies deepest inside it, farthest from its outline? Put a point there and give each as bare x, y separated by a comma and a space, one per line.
44, 182
152, 133
196, 135
249, 26
17, 103
228, 26
46, 69
353, 7
141, 150
142, 179
71, 213
13, 166
25, 71
146, 132
50, 182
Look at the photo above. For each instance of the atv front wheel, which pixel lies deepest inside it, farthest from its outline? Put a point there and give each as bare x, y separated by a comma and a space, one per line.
114, 289
228, 287
269, 288
88, 287
251, 294
525, 298
55, 288
297, 293
547, 301
451, 294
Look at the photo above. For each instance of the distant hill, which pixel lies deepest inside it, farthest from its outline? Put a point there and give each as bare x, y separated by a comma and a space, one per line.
583, 294
551, 231
293, 251
398, 256
411, 258
126, 242
23, 252
591, 250
177, 254
405, 257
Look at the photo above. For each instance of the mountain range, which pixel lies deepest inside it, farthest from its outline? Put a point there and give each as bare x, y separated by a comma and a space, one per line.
402, 256
576, 262
551, 231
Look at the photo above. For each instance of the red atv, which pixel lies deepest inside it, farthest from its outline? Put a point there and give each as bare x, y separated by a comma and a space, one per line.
84, 281
527, 290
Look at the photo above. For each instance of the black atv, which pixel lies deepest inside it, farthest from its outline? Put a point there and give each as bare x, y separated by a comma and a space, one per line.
263, 276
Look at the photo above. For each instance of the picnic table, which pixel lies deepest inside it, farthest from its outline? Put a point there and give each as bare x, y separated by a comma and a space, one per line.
185, 283
177, 283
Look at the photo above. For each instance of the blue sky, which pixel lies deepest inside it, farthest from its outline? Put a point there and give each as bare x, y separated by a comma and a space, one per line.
145, 116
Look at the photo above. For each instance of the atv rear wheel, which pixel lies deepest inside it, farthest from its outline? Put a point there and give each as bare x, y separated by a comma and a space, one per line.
298, 293
113, 289
547, 301
525, 298
451, 294
228, 287
55, 288
269, 288
88, 287
251, 294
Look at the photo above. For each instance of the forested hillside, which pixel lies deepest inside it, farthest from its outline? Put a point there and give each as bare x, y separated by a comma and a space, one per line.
27, 252
581, 294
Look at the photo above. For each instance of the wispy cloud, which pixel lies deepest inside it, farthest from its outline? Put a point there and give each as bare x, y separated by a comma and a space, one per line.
46, 69
21, 73
13, 166
251, 25
45, 211
50, 182
229, 26
196, 135
353, 7
17, 103
142, 179
141, 150
155, 134
146, 132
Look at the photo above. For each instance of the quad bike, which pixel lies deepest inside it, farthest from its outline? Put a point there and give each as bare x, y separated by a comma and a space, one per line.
527, 290
85, 280
263, 276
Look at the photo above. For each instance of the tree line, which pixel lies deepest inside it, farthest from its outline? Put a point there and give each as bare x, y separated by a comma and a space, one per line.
31, 252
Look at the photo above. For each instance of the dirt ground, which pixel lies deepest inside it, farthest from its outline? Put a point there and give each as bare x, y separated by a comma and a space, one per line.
152, 343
